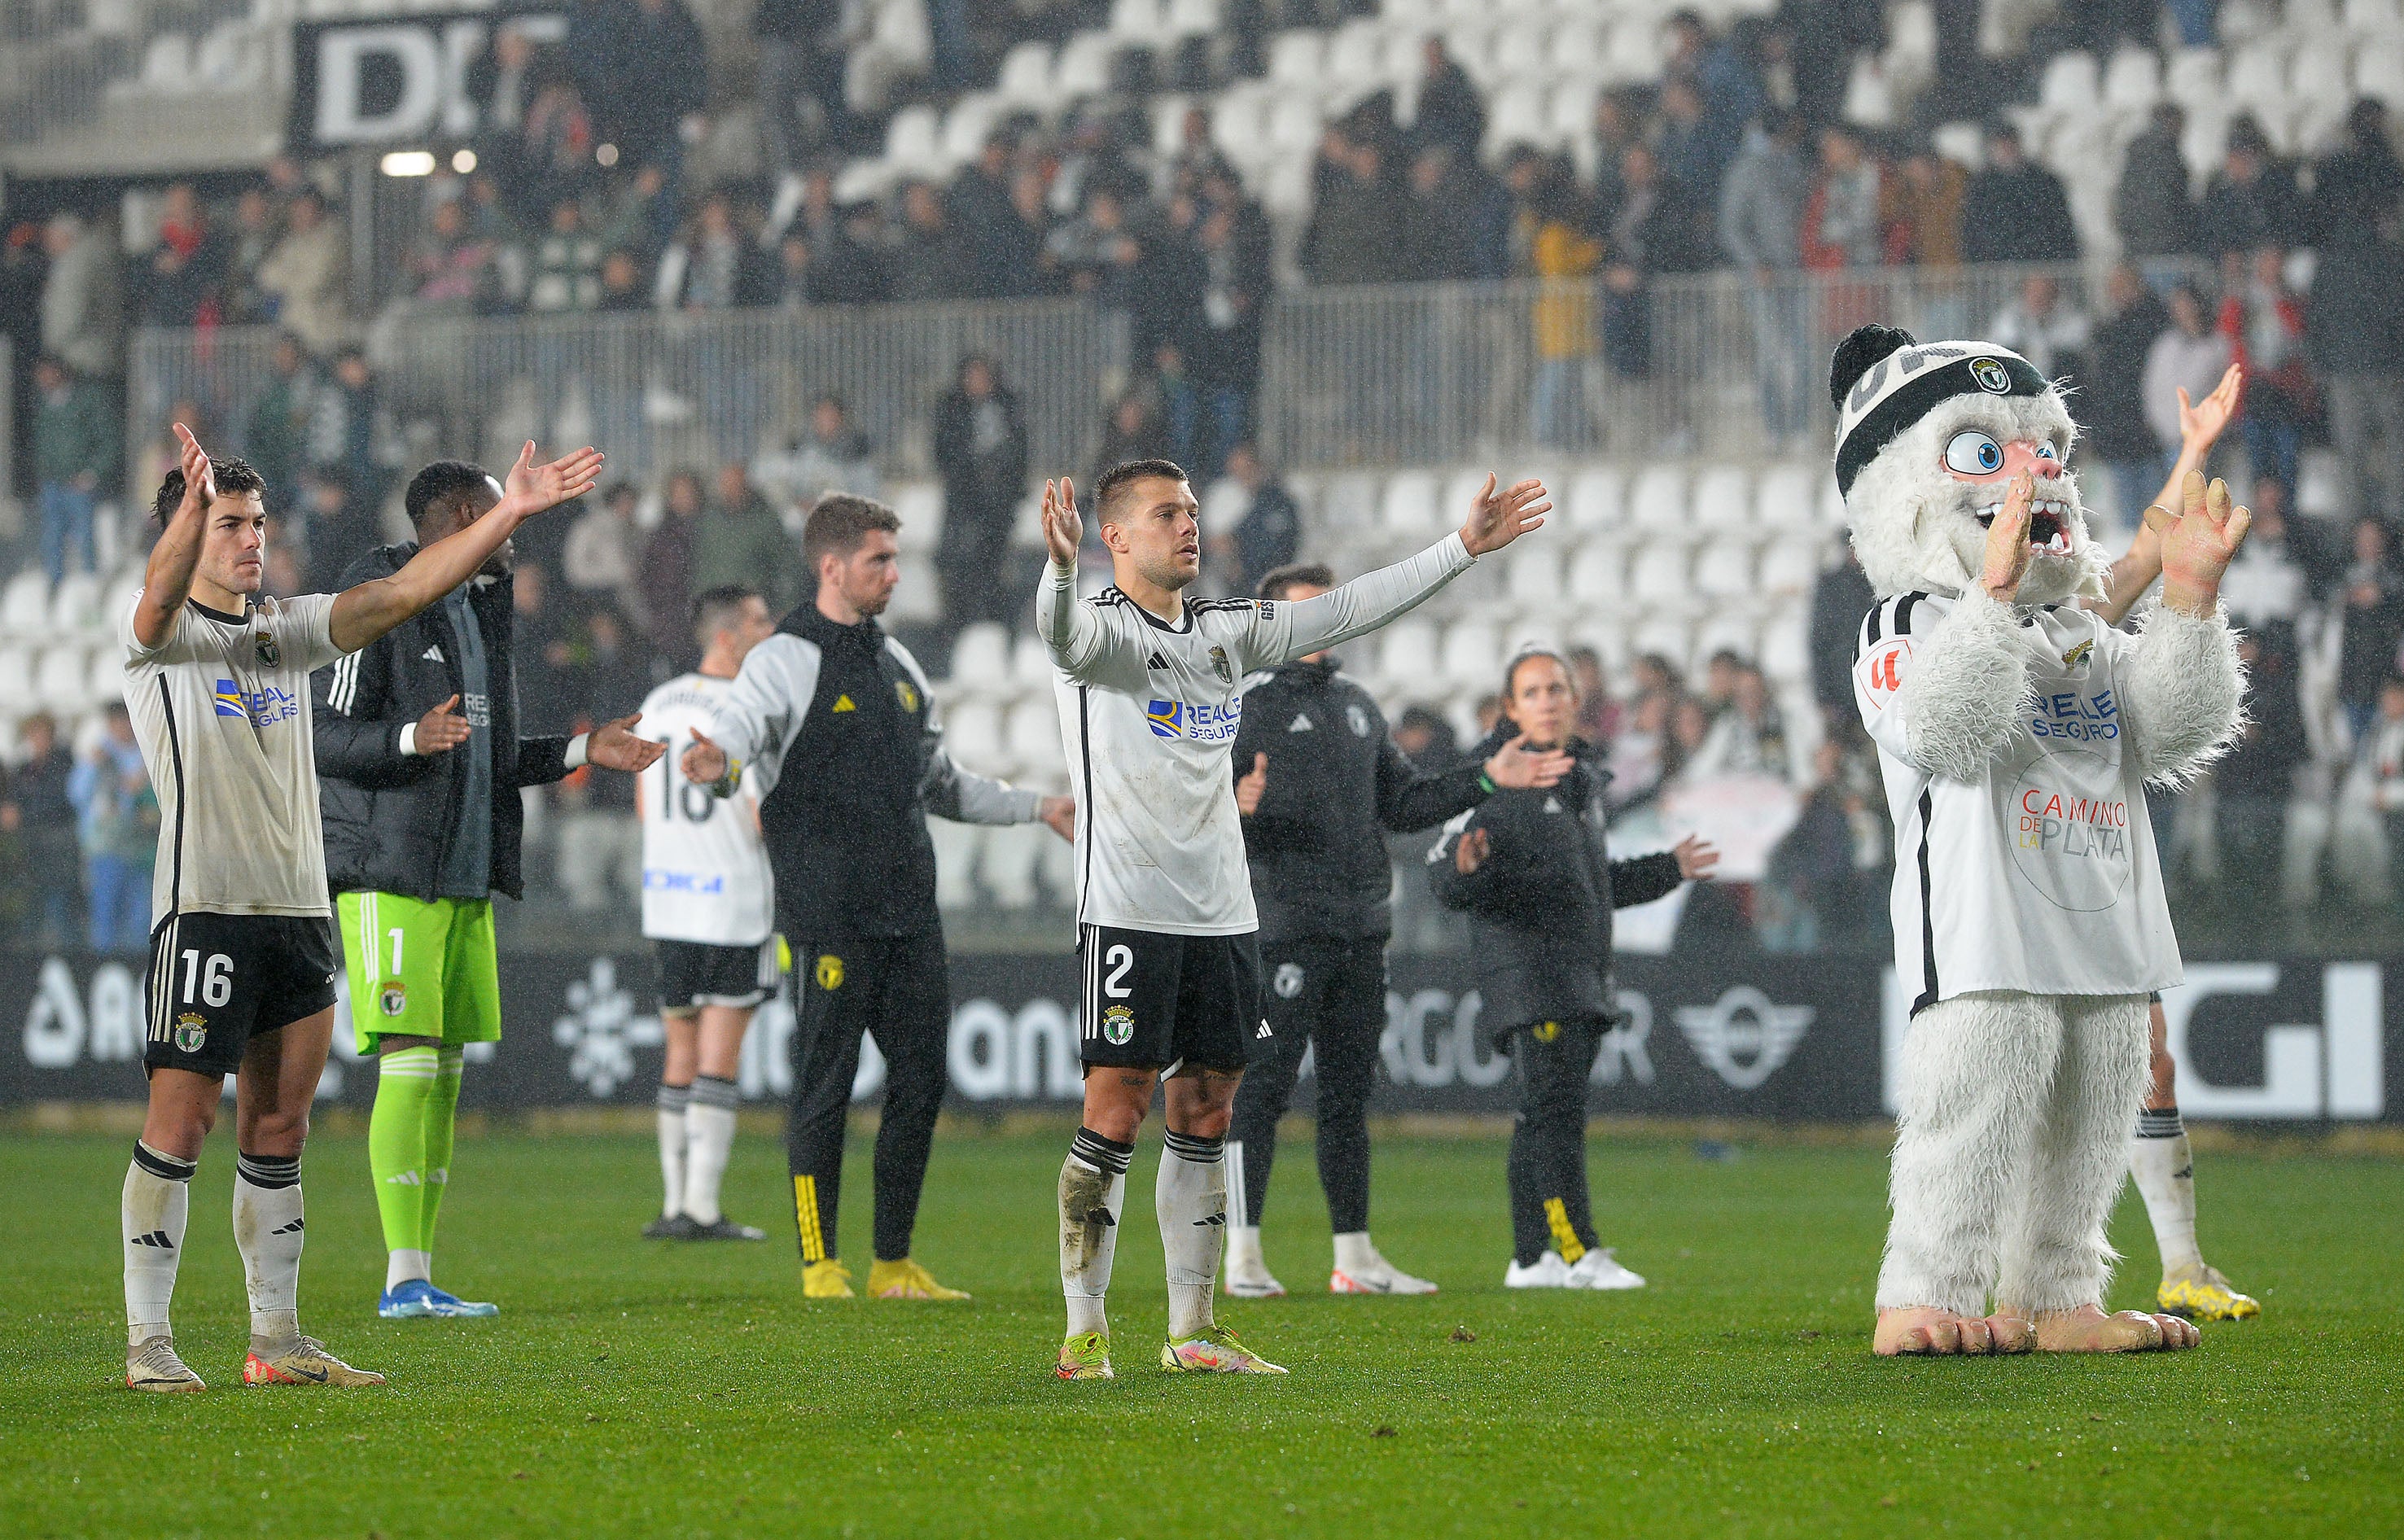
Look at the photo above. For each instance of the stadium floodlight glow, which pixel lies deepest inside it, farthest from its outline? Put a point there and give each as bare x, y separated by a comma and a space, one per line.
409, 162
607, 154
463, 160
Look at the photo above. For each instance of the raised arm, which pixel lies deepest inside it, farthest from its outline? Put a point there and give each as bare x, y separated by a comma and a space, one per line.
2184, 686
2199, 428
364, 613
1496, 518
167, 578
1077, 638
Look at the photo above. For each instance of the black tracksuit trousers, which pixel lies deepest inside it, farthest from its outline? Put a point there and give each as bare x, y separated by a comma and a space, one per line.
1331, 994
1550, 1207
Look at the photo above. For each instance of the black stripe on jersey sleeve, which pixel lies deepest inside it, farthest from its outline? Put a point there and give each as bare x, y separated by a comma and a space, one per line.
1085, 773
1928, 990
175, 756
1873, 627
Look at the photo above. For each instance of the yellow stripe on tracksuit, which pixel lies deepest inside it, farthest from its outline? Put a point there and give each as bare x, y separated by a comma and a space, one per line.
1565, 1241
805, 1214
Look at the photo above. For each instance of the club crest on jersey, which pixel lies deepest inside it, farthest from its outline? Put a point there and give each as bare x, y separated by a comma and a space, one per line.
1221, 666
1359, 720
1118, 1026
2078, 656
269, 655
907, 693
393, 998
830, 972
191, 1033
1289, 980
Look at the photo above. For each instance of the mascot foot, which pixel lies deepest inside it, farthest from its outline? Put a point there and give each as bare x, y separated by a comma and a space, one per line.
2088, 1329
2010, 1333
1927, 1330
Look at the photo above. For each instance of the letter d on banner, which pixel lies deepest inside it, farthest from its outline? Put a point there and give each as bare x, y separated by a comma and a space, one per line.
343, 55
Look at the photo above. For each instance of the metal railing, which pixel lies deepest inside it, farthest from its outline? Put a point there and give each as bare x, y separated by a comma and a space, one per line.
1710, 364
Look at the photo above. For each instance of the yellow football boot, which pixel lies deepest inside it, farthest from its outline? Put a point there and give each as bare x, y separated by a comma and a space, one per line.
2199, 1293
826, 1280
301, 1360
1213, 1349
1085, 1356
905, 1280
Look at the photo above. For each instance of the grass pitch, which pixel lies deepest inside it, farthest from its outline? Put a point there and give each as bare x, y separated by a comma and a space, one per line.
644, 1390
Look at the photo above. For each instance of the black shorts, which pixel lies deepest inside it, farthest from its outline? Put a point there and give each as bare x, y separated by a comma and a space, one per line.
693, 973
1333, 991
217, 981
1160, 1002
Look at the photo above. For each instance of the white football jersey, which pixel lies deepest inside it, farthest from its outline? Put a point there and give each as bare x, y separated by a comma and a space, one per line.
2042, 876
705, 871
221, 711
1148, 714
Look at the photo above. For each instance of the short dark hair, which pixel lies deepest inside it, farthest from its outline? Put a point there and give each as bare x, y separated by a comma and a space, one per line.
1284, 579
443, 482
233, 475
838, 522
714, 610
1125, 474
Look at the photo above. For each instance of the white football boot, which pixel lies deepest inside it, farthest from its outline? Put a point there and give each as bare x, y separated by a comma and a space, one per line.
1600, 1269
1248, 1278
1365, 1271
1547, 1272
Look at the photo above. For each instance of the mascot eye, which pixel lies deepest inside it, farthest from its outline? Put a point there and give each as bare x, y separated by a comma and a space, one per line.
1974, 453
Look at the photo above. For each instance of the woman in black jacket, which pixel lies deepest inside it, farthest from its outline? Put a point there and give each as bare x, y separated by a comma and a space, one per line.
1532, 870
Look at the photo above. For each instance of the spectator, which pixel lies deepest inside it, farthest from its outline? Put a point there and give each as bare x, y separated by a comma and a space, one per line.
2253, 785
309, 272
247, 303
1565, 257
2186, 356
2377, 778
40, 813
2370, 611
980, 451
2264, 321
75, 455
833, 456
979, 205
502, 83
2114, 410
566, 274
1658, 228
82, 322
1598, 714
1840, 598
1812, 883
2270, 579
352, 436
1024, 263
664, 50
2151, 208
1843, 221
1748, 737
714, 267
1133, 431
800, 83
1226, 345
1452, 112
622, 293
934, 258
556, 147
1443, 245
450, 265
603, 547
1356, 234
1640, 749
1760, 228
1684, 143
2037, 326
1730, 93
636, 212
2355, 327
2015, 210
188, 263
667, 576
1924, 210
741, 542
119, 816
2252, 200
793, 286
1618, 124
1269, 534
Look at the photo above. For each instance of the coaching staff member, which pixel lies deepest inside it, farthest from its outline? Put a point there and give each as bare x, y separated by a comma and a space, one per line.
830, 723
1532, 870
1321, 784
417, 743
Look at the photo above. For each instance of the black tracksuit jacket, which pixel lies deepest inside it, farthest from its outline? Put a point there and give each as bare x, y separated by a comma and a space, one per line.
1540, 906
390, 817
1336, 783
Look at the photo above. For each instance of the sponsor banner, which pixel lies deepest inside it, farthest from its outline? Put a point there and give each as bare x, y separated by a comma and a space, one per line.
401, 81
1776, 1037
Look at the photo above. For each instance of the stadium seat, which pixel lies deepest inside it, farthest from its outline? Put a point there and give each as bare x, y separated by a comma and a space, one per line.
913, 142
2318, 73
2258, 77
972, 735
1409, 506
1532, 577
1666, 636
2373, 18
970, 121
1790, 565
74, 605
2193, 77
1351, 502
1031, 737
1007, 865
1137, 20
956, 846
1024, 81
1524, 48
920, 508
1515, 116
981, 660
919, 594
1472, 652
25, 604
63, 677
1406, 652
1596, 499
1787, 496
1724, 569
1723, 497
1658, 582
1084, 67
1292, 129
1298, 60
106, 681
1785, 655
1832, 504
1728, 631
2132, 82
1635, 52
1597, 578
1030, 670
1192, 18
17, 664
1055, 866
1657, 503
1356, 55
1239, 121
2070, 83
2379, 72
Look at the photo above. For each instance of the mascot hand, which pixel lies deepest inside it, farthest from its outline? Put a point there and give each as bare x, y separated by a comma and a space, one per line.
2197, 546
2007, 543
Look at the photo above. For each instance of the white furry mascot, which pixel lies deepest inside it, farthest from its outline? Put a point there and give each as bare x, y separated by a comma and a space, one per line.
2016, 732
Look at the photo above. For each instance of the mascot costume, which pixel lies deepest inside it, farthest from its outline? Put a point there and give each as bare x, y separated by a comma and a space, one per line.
2016, 732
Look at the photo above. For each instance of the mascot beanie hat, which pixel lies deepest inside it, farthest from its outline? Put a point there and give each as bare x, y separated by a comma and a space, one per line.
1884, 379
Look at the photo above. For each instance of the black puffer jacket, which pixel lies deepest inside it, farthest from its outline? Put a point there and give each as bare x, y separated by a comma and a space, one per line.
390, 816
1540, 906
1336, 783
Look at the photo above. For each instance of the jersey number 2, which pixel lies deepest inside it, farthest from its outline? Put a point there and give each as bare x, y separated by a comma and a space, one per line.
1119, 960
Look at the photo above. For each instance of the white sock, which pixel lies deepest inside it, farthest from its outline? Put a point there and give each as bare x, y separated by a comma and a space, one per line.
708, 1136
1243, 1242
672, 1102
1354, 1254
404, 1265
1093, 1196
268, 1230
2165, 1172
150, 1215
1191, 1199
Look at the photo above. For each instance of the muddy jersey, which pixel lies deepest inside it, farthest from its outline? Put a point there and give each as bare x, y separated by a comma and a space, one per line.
2042, 874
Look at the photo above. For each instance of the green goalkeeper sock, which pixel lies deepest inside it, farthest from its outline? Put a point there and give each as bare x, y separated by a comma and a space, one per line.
405, 1084
441, 1120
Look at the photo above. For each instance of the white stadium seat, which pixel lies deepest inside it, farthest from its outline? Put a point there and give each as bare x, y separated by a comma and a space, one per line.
1192, 18
17, 664
1297, 60
1408, 507
955, 861
1658, 504
2318, 73
1723, 497
1293, 126
2373, 18
1728, 631
1356, 55
920, 506
1084, 67
1785, 655
1030, 667
1533, 579
1006, 867
913, 142
1525, 49
1635, 52
2379, 72
981, 659
1723, 570
1597, 579
107, 678
1406, 652
1597, 499
1024, 79
62, 678
1789, 567
25, 604
1788, 496
1659, 580
1665, 635
2193, 78
973, 736
2134, 80
1472, 652
1030, 736
2258, 77
1351, 501
2071, 82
